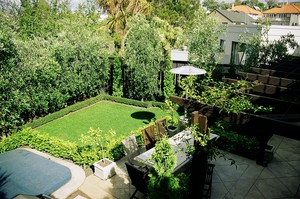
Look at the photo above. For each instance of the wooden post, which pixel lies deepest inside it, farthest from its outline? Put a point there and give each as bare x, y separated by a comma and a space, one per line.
203, 123
195, 118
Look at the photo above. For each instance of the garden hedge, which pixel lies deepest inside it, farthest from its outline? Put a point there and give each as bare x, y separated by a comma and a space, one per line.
79, 154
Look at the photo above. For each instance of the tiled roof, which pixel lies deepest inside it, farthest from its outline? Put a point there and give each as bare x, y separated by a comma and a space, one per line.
236, 16
245, 9
285, 9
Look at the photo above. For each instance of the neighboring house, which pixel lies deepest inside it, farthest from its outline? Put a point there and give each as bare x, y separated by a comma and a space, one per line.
232, 17
281, 2
232, 52
287, 15
179, 57
230, 43
255, 14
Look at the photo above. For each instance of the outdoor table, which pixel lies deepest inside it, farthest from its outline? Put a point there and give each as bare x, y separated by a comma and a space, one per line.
179, 142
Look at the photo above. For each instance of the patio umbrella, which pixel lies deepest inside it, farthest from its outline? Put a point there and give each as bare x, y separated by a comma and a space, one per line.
187, 70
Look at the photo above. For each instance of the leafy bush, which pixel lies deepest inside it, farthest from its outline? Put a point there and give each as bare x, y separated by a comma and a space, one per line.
40, 75
117, 78
143, 59
234, 142
261, 50
162, 183
79, 154
41, 142
83, 155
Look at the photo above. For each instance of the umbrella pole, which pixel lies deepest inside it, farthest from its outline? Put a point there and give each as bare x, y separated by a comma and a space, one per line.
185, 109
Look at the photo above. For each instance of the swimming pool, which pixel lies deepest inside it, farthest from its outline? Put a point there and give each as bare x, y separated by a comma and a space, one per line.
24, 172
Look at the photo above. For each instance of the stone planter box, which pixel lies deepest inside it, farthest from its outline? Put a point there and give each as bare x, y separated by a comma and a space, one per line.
104, 168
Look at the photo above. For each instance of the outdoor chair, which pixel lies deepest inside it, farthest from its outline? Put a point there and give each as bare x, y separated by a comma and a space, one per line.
130, 145
208, 181
161, 126
132, 150
149, 137
139, 179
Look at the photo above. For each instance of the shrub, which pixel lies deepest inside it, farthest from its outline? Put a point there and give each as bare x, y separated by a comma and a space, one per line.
234, 142
162, 183
64, 68
83, 155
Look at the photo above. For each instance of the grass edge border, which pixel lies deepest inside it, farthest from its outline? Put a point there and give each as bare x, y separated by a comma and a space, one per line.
79, 105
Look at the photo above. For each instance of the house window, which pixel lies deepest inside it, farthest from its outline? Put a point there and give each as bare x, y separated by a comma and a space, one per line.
222, 45
237, 53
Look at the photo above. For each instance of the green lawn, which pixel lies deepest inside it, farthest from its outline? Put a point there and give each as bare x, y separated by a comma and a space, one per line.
105, 115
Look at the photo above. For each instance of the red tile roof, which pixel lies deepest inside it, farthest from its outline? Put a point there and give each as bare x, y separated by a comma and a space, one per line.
285, 9
245, 9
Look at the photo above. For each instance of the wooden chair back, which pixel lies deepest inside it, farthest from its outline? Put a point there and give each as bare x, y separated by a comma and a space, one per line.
200, 120
149, 137
161, 127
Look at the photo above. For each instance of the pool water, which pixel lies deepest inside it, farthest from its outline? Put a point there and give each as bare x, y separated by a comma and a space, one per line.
24, 172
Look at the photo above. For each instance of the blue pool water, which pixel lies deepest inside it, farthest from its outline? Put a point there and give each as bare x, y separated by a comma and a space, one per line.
24, 172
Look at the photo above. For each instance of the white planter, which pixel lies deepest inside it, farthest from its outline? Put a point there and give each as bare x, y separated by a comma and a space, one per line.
269, 153
104, 168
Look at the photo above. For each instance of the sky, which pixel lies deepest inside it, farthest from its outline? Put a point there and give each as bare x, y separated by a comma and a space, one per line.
74, 3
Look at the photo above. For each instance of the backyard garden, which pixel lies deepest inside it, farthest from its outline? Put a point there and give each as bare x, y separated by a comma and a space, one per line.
75, 87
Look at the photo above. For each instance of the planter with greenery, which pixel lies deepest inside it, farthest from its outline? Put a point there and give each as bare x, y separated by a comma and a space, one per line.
230, 140
102, 143
172, 125
162, 183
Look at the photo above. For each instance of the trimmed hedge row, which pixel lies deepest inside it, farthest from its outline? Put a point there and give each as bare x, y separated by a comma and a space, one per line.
88, 102
234, 142
81, 155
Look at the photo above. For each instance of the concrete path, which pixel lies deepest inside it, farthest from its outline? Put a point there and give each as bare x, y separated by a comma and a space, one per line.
280, 179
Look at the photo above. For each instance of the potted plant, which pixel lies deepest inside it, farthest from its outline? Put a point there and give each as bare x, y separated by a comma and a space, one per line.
163, 183
102, 143
172, 120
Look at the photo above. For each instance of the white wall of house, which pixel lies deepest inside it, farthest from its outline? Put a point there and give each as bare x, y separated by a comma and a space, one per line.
295, 20
276, 31
233, 34
235, 31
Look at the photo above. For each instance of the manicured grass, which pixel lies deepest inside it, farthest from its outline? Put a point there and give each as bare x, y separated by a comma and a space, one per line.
104, 115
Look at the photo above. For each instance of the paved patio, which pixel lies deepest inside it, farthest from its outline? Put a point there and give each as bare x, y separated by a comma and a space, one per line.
280, 179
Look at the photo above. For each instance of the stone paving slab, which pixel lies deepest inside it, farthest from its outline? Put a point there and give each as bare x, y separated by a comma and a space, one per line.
280, 179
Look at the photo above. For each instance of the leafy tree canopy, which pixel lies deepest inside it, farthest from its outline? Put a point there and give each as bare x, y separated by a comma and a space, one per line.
119, 14
250, 3
203, 42
144, 53
271, 4
213, 4
176, 12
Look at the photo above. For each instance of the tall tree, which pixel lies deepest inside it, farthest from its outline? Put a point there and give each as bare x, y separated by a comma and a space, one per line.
176, 12
213, 4
119, 13
144, 54
237, 2
203, 41
250, 3
38, 17
271, 4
